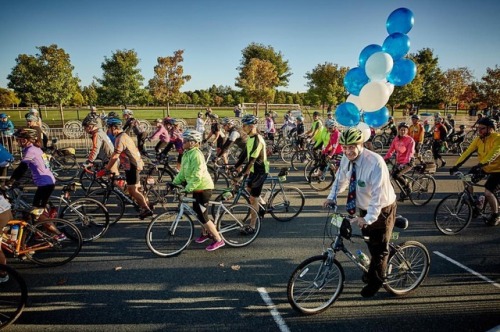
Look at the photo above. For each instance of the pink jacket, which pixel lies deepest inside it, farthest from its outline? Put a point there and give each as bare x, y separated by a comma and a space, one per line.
333, 147
161, 133
404, 146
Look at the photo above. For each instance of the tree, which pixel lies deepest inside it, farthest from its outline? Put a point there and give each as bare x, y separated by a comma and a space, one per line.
327, 82
8, 98
489, 86
432, 77
122, 80
258, 80
259, 51
455, 83
407, 94
46, 78
166, 84
89, 94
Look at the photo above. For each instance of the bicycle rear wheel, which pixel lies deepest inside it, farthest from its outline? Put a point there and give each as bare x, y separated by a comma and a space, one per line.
113, 203
423, 189
287, 152
235, 223
89, 215
64, 167
407, 267
287, 203
45, 250
166, 236
220, 179
13, 296
315, 284
453, 214
319, 180
300, 158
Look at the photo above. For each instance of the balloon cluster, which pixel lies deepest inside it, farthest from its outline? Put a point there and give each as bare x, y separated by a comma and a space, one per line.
380, 68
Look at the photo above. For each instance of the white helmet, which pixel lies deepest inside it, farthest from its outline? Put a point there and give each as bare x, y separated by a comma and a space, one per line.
330, 123
127, 112
192, 135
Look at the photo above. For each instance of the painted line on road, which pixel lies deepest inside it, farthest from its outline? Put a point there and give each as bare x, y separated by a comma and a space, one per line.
467, 269
272, 308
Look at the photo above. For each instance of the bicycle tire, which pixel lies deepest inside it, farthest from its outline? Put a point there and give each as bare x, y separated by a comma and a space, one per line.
112, 202
423, 189
287, 152
307, 168
300, 159
380, 138
219, 198
286, 209
13, 296
64, 167
232, 223
159, 238
89, 215
59, 252
321, 182
377, 147
219, 178
315, 285
407, 267
453, 214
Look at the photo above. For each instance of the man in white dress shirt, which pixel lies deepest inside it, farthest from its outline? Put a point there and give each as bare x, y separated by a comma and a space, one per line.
375, 200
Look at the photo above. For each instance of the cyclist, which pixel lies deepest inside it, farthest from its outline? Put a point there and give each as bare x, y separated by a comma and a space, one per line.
32, 122
161, 134
393, 130
195, 174
487, 146
417, 132
234, 136
5, 217
316, 126
256, 167
404, 146
102, 147
270, 129
6, 130
332, 146
216, 131
200, 124
130, 159
300, 131
133, 125
439, 137
374, 197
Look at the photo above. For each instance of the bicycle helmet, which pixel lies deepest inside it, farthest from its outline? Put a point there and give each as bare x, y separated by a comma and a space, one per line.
316, 113
300, 118
89, 121
330, 123
437, 115
213, 115
33, 111
174, 121
351, 136
158, 120
26, 133
112, 115
3, 116
462, 127
192, 136
114, 122
227, 121
249, 119
93, 109
487, 122
449, 116
391, 118
127, 112
32, 117
415, 116
403, 124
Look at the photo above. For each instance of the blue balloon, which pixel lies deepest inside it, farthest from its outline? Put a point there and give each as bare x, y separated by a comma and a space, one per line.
403, 72
366, 52
397, 45
347, 114
401, 20
378, 118
354, 80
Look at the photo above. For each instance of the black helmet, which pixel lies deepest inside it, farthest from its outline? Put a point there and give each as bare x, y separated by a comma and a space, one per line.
316, 113
487, 122
462, 127
26, 133
89, 121
403, 125
415, 116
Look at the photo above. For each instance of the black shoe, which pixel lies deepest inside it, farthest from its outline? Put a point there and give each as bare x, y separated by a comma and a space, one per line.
247, 230
145, 213
364, 278
493, 220
443, 163
262, 212
370, 289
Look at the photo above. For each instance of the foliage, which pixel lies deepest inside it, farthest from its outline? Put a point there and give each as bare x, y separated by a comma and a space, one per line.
89, 94
455, 83
8, 98
326, 82
410, 93
122, 80
432, 77
489, 86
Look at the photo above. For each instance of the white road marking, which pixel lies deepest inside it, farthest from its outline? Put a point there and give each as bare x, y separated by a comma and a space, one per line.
272, 308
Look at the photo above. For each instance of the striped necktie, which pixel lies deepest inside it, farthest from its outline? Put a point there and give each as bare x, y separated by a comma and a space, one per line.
351, 196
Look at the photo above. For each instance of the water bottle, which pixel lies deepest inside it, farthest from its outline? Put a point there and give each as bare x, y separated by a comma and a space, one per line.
480, 202
13, 232
227, 195
363, 259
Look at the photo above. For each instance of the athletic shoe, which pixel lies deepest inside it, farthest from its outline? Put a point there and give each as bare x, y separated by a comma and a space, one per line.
216, 245
5, 278
493, 220
202, 238
247, 230
60, 237
145, 213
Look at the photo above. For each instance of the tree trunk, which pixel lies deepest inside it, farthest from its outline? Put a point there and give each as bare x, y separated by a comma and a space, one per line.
168, 108
62, 112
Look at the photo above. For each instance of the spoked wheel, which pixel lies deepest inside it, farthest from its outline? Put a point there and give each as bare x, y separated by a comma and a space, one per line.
219, 178
407, 267
377, 146
167, 238
287, 152
235, 225
320, 180
65, 167
453, 214
13, 296
300, 159
112, 202
287, 203
89, 215
315, 284
422, 190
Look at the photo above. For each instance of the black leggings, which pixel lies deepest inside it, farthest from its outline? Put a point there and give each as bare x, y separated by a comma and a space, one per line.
42, 195
202, 198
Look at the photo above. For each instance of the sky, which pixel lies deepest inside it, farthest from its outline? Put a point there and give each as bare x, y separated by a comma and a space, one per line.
213, 33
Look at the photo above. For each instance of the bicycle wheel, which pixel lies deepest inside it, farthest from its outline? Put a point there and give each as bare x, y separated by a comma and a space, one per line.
169, 234
113, 203
377, 146
89, 215
423, 189
300, 159
407, 267
319, 180
307, 168
453, 214
13, 296
380, 138
287, 152
315, 284
48, 251
219, 178
234, 224
64, 167
287, 203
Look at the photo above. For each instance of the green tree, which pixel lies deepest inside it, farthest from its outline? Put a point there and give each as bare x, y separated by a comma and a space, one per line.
432, 77
455, 83
168, 80
258, 79
489, 86
89, 94
268, 53
408, 94
46, 78
327, 82
122, 80
195, 98
205, 98
8, 98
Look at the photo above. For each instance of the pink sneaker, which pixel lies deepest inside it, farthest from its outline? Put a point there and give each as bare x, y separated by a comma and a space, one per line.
202, 238
216, 245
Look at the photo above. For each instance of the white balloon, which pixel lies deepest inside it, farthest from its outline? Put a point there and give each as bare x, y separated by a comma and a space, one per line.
365, 129
378, 65
390, 87
374, 96
355, 100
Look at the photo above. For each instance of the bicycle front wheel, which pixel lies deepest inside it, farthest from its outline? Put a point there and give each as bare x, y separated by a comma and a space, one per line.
169, 233
13, 296
453, 214
89, 215
112, 202
219, 178
236, 227
319, 180
423, 189
45, 249
315, 284
64, 167
287, 203
407, 267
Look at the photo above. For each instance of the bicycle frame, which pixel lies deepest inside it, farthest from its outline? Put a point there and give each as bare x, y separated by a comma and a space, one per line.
16, 246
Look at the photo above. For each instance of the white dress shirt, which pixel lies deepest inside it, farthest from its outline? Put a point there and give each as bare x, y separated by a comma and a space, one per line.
374, 190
